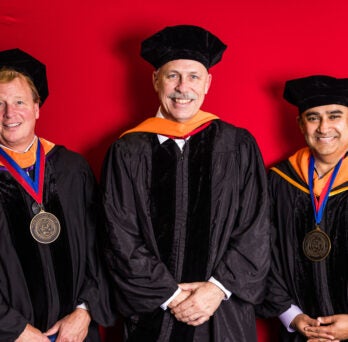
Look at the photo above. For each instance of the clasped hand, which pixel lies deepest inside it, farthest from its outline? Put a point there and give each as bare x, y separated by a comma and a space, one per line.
71, 328
323, 329
196, 302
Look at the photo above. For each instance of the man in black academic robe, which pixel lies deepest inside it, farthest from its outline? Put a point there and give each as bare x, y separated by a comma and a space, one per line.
307, 286
52, 282
186, 209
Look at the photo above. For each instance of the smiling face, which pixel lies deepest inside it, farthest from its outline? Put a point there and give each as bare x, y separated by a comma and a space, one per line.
325, 129
18, 114
181, 86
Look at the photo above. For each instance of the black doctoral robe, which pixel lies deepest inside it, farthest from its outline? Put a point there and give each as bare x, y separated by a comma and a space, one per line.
185, 216
39, 283
318, 288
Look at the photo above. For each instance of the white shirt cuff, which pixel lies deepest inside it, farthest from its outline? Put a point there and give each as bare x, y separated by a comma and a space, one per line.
82, 306
287, 316
221, 287
164, 306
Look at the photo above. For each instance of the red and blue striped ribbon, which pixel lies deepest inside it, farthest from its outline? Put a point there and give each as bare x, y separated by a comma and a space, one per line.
33, 186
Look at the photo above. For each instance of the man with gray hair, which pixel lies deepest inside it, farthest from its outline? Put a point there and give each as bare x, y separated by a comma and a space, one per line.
186, 207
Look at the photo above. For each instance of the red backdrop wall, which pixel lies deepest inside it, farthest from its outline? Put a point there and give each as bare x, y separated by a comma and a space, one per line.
99, 86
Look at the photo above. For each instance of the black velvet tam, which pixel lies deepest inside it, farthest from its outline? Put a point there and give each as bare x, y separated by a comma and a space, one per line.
317, 90
28, 65
182, 42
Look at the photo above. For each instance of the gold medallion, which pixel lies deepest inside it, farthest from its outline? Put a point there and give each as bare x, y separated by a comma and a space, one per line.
44, 227
316, 245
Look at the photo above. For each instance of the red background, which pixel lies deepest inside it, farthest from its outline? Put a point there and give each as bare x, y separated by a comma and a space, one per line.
99, 86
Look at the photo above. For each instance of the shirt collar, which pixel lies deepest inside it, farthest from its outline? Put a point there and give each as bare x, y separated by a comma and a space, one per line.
163, 138
26, 150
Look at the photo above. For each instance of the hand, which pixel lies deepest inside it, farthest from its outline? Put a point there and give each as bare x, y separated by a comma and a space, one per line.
301, 322
71, 328
205, 298
321, 340
31, 334
335, 326
179, 298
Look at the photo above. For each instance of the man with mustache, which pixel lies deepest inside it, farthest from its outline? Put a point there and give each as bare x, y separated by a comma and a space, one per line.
186, 207
308, 281
51, 283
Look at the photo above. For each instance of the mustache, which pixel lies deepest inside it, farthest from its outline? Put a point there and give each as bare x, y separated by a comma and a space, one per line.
182, 96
